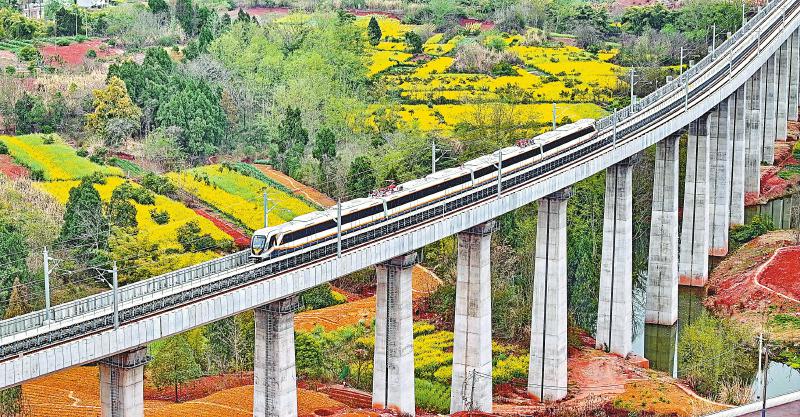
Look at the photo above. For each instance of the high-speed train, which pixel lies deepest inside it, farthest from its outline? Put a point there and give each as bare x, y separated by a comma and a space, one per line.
364, 214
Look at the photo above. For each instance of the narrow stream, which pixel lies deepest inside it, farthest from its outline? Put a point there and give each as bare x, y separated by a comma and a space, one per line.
659, 344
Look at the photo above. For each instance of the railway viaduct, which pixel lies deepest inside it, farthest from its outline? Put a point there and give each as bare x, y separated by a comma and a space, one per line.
734, 105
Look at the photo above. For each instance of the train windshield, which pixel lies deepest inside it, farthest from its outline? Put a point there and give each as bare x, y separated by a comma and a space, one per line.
258, 244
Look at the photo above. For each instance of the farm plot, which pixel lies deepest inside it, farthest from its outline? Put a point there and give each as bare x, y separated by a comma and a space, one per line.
239, 196
163, 234
54, 159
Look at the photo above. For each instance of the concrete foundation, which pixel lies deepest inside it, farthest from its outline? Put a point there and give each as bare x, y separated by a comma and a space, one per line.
782, 112
122, 384
720, 150
275, 377
754, 134
547, 370
615, 307
693, 252
738, 121
769, 76
794, 75
393, 366
471, 386
662, 279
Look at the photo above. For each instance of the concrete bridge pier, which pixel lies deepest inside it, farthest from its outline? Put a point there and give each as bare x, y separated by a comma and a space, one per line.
794, 75
754, 134
662, 284
738, 117
122, 384
471, 386
615, 306
393, 366
693, 252
782, 112
547, 370
769, 75
721, 148
274, 376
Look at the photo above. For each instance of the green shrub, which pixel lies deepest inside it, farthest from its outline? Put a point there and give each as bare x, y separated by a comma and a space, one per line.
3, 148
37, 174
432, 396
63, 42
159, 216
158, 185
83, 153
759, 225
319, 297
48, 140
91, 54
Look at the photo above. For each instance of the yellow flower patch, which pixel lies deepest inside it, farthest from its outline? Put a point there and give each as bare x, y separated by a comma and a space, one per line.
390, 28
434, 66
391, 46
57, 160
383, 60
164, 235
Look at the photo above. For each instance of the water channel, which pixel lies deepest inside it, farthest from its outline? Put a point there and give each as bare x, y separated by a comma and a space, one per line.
659, 344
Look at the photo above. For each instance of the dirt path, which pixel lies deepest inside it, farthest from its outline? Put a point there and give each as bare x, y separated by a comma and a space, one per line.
239, 238
297, 187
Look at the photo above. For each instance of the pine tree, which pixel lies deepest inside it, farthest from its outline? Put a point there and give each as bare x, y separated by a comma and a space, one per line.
18, 302
374, 31
414, 42
174, 363
85, 225
291, 141
360, 178
158, 6
325, 145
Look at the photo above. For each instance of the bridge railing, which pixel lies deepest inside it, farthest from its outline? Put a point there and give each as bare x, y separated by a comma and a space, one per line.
124, 293
624, 113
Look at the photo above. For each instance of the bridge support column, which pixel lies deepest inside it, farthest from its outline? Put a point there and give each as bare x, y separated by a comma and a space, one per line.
274, 376
547, 371
754, 134
794, 75
471, 385
738, 115
693, 255
662, 285
720, 177
782, 112
615, 307
122, 384
393, 366
770, 80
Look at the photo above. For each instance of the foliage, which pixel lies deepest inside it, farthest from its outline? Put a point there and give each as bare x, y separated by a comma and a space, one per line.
158, 184
86, 226
638, 19
325, 145
158, 6
32, 115
12, 402
714, 352
13, 252
432, 396
3, 148
112, 104
360, 178
121, 213
174, 363
413, 42
318, 297
374, 31
14, 25
70, 21
290, 142
230, 345
741, 234
191, 240
159, 216
473, 57
162, 147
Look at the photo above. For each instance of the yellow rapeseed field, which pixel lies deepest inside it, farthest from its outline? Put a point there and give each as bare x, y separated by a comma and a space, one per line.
434, 66
57, 160
383, 60
165, 234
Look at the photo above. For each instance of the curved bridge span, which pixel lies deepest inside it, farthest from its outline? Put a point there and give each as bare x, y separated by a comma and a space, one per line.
735, 103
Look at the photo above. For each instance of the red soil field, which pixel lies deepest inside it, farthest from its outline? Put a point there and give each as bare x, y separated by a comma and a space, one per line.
11, 169
75, 54
296, 186
240, 239
782, 272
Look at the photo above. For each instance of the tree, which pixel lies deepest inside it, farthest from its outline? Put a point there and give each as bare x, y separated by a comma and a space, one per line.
637, 19
13, 252
18, 301
158, 6
69, 21
186, 12
85, 226
325, 145
30, 114
413, 42
174, 363
290, 141
360, 178
115, 115
121, 212
374, 31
